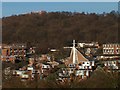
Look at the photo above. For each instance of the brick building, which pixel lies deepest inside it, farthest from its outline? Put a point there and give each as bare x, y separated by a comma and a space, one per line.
12, 52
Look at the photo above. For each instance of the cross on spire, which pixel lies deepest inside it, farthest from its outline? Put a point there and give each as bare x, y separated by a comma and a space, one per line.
73, 43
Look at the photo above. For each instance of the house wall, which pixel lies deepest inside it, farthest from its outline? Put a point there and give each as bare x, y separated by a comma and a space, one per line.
87, 65
45, 66
111, 64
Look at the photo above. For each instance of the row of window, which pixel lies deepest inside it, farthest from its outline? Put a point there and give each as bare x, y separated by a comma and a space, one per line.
111, 45
85, 67
18, 50
45, 66
18, 53
111, 51
84, 63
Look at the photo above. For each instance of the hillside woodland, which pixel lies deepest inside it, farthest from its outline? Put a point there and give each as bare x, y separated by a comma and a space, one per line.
57, 29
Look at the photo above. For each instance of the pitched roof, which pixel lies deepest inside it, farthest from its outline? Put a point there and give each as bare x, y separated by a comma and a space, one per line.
75, 57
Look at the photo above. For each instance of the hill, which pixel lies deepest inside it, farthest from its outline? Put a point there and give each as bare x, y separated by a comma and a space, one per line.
57, 29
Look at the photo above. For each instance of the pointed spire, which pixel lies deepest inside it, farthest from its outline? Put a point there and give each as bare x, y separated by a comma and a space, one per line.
75, 59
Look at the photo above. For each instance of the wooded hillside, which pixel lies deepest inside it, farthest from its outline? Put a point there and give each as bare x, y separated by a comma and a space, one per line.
57, 29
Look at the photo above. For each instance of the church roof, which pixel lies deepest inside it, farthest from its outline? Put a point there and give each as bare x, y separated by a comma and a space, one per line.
75, 57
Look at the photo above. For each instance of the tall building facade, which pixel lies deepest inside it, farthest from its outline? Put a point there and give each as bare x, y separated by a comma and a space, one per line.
111, 49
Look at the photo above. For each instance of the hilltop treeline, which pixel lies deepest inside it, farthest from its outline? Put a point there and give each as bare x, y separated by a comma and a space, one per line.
57, 29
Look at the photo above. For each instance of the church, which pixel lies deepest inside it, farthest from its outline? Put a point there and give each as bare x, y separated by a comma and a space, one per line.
77, 64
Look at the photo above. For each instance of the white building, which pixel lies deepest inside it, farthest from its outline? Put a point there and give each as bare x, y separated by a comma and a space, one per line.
112, 64
91, 44
111, 49
18, 72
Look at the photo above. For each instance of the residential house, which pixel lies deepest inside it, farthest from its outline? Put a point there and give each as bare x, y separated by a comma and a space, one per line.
53, 63
44, 57
45, 69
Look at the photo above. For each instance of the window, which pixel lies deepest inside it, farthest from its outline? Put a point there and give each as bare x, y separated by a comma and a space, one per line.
112, 50
110, 45
104, 50
104, 45
87, 67
117, 45
114, 62
90, 63
117, 50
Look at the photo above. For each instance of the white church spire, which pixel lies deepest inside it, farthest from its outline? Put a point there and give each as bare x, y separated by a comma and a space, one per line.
74, 53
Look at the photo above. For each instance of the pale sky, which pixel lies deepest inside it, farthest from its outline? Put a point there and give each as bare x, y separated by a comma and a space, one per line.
15, 8
60, 0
